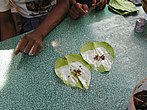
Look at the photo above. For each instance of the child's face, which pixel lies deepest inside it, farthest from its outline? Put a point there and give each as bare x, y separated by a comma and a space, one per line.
144, 5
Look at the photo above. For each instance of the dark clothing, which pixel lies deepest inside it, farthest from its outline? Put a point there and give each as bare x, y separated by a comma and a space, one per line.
28, 24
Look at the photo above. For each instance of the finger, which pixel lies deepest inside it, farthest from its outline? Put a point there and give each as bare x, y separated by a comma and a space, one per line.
37, 51
106, 1
100, 7
73, 15
75, 11
101, 4
21, 45
93, 3
79, 9
104, 4
35, 48
28, 46
85, 8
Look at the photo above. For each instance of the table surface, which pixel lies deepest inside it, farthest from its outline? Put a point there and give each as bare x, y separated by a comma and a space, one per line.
30, 83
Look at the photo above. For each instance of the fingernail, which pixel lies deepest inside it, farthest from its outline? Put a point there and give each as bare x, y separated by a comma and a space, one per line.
31, 54
86, 11
25, 51
93, 5
16, 47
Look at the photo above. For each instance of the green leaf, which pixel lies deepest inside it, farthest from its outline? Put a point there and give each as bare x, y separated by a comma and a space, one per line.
76, 62
122, 7
62, 70
77, 57
88, 46
99, 55
60, 62
108, 47
73, 71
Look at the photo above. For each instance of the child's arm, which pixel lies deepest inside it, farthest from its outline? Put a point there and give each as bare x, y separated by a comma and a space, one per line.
31, 43
144, 5
7, 28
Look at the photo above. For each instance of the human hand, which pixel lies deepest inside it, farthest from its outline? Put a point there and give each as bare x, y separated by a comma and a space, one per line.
77, 10
30, 44
144, 5
99, 4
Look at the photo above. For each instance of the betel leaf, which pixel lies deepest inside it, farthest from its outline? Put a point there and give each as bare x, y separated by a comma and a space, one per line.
107, 46
77, 64
122, 7
62, 70
99, 55
73, 71
77, 58
60, 62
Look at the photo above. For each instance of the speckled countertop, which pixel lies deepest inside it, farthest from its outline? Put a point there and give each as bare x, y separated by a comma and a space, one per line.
30, 83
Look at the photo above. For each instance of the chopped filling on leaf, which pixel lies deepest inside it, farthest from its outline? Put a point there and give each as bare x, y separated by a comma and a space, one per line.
99, 55
74, 74
77, 72
99, 58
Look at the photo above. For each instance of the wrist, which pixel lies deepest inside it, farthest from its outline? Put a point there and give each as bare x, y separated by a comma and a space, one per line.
72, 4
39, 33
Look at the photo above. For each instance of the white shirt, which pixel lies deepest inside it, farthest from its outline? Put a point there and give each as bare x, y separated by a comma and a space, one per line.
28, 8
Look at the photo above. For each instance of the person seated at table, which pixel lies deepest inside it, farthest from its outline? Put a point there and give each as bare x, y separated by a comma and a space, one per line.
144, 5
79, 8
40, 16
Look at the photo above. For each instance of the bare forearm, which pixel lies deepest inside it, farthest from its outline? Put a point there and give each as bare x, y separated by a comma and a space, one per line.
54, 17
7, 27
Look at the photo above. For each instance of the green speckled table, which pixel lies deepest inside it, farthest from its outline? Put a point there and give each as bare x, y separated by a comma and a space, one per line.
30, 83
